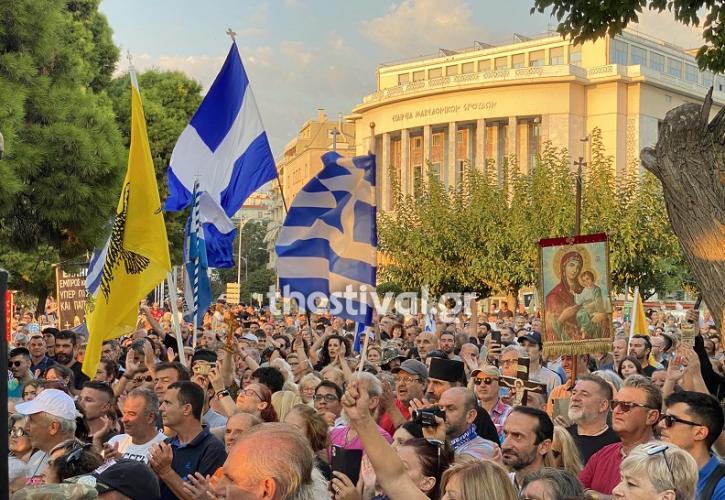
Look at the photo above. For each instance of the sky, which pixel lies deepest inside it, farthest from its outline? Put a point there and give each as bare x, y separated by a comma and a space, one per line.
301, 55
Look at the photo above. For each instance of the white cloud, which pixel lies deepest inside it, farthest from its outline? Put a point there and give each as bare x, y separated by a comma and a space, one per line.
422, 26
289, 80
664, 26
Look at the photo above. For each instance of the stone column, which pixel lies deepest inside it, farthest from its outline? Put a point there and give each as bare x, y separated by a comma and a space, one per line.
405, 161
384, 199
480, 148
451, 167
427, 145
512, 145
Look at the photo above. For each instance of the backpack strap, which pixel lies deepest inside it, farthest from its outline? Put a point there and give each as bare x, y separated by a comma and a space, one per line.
717, 475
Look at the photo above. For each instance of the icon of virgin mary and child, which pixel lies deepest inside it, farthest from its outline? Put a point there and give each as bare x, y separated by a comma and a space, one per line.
576, 308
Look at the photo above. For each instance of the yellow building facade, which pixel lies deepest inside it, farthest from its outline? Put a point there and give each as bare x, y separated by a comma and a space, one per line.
301, 158
477, 106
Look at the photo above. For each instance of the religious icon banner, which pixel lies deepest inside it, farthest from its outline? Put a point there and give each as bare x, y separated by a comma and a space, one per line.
574, 282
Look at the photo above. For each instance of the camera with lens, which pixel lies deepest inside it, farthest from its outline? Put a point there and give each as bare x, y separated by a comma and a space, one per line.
426, 417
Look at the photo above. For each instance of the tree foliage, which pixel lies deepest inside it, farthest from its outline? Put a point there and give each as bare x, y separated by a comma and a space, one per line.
484, 235
64, 151
170, 99
582, 21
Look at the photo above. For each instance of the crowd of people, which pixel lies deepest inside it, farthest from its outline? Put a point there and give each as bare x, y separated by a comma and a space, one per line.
264, 407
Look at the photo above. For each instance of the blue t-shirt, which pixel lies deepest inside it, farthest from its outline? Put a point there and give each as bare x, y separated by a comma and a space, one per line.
705, 472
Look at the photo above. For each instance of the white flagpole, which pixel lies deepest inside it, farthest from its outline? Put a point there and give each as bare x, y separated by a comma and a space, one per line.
175, 317
195, 280
364, 353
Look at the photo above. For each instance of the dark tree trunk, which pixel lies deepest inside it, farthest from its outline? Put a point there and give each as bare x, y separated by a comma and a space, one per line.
689, 160
42, 297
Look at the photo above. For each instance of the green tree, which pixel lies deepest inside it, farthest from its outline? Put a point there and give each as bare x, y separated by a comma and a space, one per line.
485, 234
689, 157
63, 143
170, 99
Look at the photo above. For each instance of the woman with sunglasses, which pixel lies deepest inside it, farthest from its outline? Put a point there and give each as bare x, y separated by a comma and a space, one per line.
657, 471
563, 453
20, 448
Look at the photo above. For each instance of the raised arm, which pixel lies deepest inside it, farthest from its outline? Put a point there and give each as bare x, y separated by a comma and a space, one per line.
389, 469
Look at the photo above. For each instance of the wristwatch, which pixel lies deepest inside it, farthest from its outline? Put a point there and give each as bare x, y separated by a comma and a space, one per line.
222, 393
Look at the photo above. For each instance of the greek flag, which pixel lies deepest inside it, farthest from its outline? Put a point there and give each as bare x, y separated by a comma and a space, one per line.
197, 289
95, 269
329, 238
225, 147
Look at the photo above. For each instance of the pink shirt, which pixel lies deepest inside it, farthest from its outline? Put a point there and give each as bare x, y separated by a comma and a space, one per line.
338, 436
601, 473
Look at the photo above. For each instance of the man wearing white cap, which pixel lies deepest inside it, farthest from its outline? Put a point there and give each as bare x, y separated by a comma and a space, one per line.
51, 420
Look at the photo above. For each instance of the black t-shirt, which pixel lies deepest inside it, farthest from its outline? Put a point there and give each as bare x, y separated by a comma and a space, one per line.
78, 376
648, 370
589, 445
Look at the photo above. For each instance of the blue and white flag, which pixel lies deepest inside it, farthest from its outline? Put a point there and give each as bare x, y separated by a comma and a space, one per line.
360, 330
95, 269
197, 288
225, 147
329, 237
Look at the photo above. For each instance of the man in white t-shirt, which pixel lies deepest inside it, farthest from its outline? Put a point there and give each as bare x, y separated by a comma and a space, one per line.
140, 416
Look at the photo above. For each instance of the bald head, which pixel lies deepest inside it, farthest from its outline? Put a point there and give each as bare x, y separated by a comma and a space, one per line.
269, 459
461, 397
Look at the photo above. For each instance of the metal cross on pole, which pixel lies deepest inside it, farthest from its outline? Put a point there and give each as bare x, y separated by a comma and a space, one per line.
231, 34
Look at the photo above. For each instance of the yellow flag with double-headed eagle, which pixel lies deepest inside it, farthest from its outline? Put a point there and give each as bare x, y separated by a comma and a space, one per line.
136, 257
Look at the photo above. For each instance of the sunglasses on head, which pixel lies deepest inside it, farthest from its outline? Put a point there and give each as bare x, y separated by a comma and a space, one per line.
140, 380
485, 380
626, 406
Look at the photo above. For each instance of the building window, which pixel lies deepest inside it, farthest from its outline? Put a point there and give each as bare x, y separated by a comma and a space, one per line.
403, 78
639, 55
674, 68
484, 65
518, 61
501, 63
691, 73
467, 68
435, 73
657, 61
575, 54
556, 55
536, 58
396, 157
437, 153
618, 53
452, 70
707, 79
418, 76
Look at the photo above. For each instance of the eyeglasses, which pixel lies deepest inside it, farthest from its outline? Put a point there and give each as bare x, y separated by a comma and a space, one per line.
654, 450
141, 380
407, 380
16, 364
330, 398
17, 432
626, 406
485, 380
669, 421
250, 393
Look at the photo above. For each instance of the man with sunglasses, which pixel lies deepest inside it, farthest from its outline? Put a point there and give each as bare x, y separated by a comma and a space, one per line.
635, 412
694, 421
19, 365
487, 389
